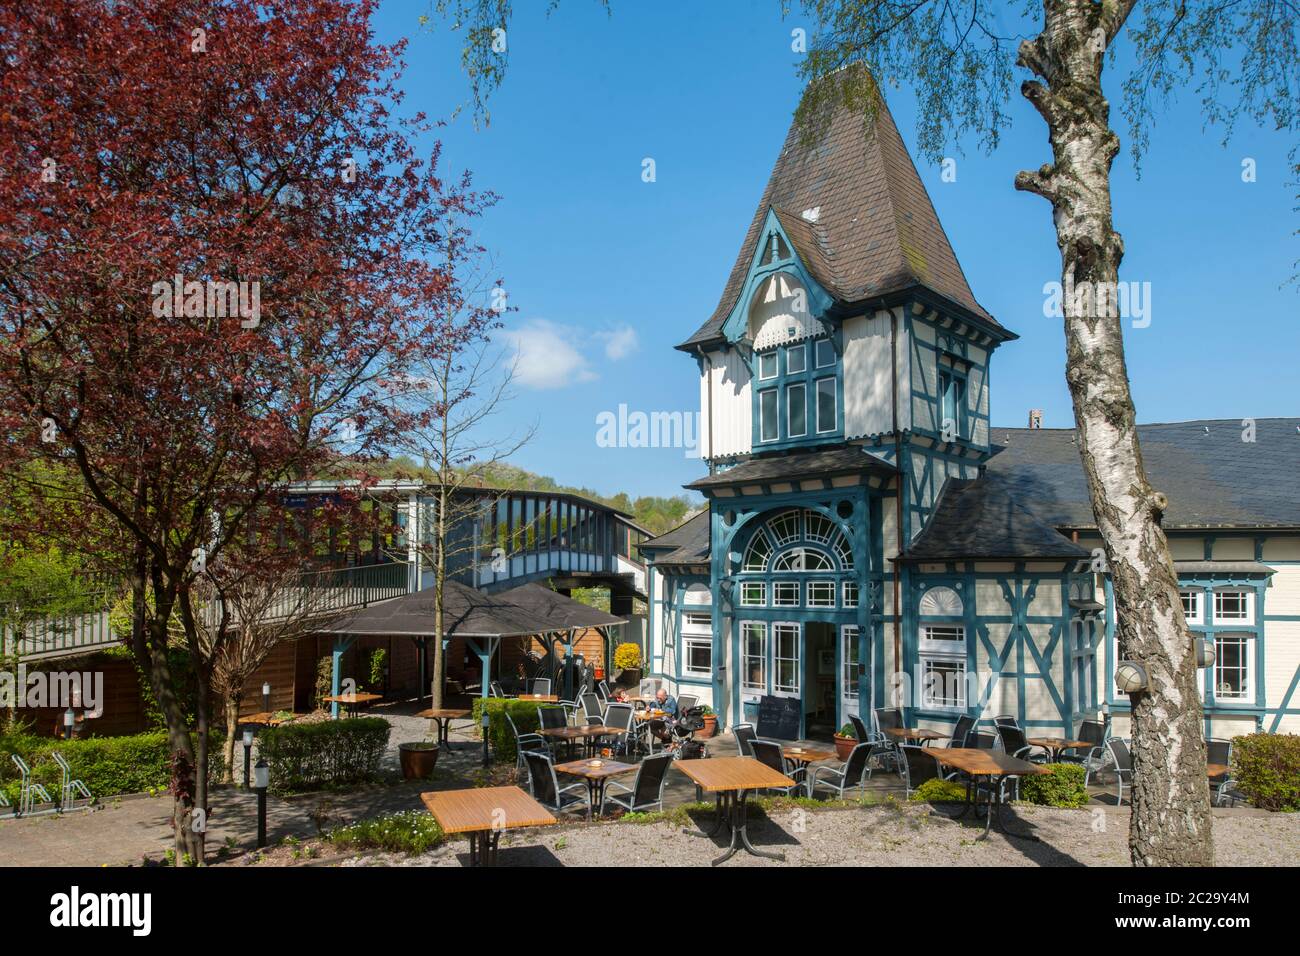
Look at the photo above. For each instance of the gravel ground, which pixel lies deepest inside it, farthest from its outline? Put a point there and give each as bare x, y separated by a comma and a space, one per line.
890, 835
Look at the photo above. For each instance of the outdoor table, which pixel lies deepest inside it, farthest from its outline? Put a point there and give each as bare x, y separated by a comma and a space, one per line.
442, 717
915, 733
352, 702
1216, 770
485, 813
540, 698
587, 733
1054, 745
993, 764
595, 772
266, 719
801, 755
731, 778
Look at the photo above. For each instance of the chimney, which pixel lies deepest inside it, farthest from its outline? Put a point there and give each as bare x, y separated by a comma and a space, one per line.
1035, 418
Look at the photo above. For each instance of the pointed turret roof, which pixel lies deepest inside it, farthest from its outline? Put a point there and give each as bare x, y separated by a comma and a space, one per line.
875, 231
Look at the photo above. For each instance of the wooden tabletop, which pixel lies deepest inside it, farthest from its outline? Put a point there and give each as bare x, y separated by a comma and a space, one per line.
718, 774
540, 698
1216, 769
443, 713
594, 769
651, 714
269, 719
1058, 743
802, 752
353, 698
582, 730
985, 763
485, 808
915, 733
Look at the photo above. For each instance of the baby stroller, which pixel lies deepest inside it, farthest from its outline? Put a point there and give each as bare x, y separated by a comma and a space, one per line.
687, 747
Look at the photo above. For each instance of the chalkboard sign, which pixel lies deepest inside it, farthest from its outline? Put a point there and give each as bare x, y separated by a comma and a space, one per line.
779, 717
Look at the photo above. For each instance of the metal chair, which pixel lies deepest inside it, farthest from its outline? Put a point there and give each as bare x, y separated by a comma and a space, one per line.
546, 789
1008, 720
647, 790
769, 752
852, 776
525, 743
960, 733
495, 690
860, 729
1122, 758
571, 709
982, 741
551, 718
1093, 732
917, 766
888, 718
591, 710
744, 734
619, 716
542, 685
1014, 743
70, 787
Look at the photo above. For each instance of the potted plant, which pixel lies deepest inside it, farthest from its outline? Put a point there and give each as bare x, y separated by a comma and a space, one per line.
627, 658
418, 759
845, 741
710, 722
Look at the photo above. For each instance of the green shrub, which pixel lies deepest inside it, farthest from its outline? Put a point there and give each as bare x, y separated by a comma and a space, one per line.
939, 791
522, 712
373, 667
410, 831
848, 731
325, 680
1266, 768
328, 753
107, 765
1061, 786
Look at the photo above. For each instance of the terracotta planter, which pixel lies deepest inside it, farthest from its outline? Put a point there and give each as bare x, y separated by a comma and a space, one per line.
710, 726
844, 746
418, 759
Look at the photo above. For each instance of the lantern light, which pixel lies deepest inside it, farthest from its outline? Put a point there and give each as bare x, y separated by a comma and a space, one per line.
1130, 677
1204, 648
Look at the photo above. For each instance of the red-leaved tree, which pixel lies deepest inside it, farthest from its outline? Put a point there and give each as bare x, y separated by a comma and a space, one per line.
219, 247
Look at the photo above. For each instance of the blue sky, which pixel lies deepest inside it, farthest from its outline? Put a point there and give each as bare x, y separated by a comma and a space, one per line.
608, 272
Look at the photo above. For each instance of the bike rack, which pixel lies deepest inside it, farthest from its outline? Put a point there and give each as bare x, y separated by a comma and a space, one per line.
69, 788
4, 802
30, 791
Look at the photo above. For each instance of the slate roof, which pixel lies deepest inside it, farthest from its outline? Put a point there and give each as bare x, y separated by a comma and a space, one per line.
468, 612
980, 518
1212, 478
688, 543
877, 232
844, 460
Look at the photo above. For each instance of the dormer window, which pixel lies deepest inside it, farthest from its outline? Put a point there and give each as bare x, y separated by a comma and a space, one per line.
797, 394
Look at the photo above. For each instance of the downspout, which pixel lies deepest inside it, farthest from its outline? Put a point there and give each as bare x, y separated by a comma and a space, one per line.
898, 496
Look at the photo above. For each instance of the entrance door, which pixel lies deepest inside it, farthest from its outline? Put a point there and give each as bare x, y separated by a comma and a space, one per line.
819, 680
848, 683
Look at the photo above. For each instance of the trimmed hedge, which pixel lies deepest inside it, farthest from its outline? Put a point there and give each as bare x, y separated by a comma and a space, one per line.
522, 712
1061, 786
939, 791
330, 753
1266, 768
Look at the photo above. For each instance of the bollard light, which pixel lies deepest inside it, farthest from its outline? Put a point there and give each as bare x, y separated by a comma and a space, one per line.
266, 698
1130, 677
261, 781
487, 720
248, 750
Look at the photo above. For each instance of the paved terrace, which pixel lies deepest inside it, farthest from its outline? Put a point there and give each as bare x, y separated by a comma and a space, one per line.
131, 829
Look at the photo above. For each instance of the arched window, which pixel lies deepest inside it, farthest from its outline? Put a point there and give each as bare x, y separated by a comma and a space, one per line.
942, 647
941, 602
803, 540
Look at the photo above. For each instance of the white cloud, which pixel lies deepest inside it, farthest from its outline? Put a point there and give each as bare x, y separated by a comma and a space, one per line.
619, 343
546, 355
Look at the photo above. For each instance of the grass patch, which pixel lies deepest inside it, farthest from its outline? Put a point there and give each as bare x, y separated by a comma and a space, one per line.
411, 832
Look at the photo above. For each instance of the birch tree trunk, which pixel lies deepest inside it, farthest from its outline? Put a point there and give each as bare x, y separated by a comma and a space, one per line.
1170, 822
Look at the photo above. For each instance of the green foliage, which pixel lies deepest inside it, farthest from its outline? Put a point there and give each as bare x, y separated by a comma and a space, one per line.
375, 662
1266, 768
847, 731
1061, 786
328, 753
522, 712
410, 831
939, 791
626, 656
324, 680
107, 765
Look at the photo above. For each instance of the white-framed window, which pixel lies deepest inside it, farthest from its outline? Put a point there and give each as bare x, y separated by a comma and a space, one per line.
753, 664
1192, 604
796, 359
756, 555
943, 682
767, 365
768, 422
1233, 665
785, 658
796, 407
944, 638
821, 593
697, 622
785, 594
697, 656
849, 661
753, 594
1234, 606
824, 353
827, 417
850, 595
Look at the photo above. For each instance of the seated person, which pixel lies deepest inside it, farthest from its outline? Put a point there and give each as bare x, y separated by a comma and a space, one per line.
666, 702
661, 727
